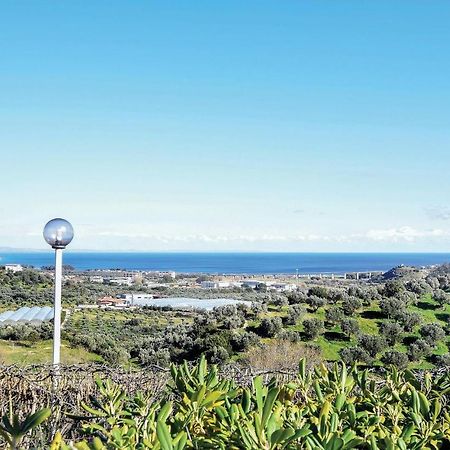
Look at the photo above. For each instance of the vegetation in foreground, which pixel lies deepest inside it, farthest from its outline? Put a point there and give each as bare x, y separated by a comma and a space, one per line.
324, 409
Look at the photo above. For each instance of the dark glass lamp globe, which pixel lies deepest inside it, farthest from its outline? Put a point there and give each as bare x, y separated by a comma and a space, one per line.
58, 233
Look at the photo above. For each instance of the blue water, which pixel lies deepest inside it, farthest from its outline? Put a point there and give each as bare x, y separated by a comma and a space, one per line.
239, 263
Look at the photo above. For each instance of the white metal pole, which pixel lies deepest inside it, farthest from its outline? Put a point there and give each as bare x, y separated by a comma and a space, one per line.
57, 309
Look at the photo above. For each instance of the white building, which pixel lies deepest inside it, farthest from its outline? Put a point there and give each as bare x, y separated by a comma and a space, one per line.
216, 284
151, 284
96, 279
122, 281
170, 274
210, 285
282, 287
13, 268
130, 299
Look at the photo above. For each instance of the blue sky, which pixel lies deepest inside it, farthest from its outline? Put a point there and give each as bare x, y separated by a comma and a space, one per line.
257, 125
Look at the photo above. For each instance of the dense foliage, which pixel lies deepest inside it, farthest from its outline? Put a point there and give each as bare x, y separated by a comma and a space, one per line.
324, 409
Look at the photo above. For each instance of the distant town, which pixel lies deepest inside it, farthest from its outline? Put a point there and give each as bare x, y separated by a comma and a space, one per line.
158, 281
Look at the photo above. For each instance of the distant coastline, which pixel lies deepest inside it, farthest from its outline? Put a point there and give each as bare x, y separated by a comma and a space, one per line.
228, 263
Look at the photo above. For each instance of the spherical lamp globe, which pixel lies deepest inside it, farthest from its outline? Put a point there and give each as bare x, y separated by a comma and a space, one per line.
58, 233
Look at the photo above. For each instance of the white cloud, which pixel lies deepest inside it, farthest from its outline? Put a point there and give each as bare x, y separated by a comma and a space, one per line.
405, 233
400, 234
144, 237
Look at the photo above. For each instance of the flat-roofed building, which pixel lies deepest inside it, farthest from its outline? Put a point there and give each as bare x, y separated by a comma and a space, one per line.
129, 299
122, 281
209, 284
13, 268
96, 279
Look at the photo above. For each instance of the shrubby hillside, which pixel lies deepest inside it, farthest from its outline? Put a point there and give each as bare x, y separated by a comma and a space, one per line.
401, 319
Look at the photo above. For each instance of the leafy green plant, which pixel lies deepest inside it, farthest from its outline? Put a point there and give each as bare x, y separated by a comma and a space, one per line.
13, 430
328, 408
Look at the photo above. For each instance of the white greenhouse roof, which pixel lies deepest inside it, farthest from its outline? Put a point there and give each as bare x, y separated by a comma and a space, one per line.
25, 314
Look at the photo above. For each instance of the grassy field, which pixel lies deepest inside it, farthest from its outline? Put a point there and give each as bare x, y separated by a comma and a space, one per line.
41, 352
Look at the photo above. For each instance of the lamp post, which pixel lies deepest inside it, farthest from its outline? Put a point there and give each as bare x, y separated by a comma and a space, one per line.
58, 233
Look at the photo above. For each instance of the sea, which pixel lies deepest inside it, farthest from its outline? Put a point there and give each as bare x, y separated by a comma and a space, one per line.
229, 263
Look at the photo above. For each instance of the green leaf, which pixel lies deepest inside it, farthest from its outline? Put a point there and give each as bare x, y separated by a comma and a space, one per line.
163, 433
36, 419
279, 436
268, 404
165, 411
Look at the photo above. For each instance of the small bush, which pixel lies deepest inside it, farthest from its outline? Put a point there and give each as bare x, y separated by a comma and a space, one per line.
294, 314
392, 332
243, 341
313, 327
419, 349
334, 315
393, 288
350, 327
408, 320
318, 291
290, 335
441, 297
443, 360
392, 307
432, 333
350, 305
372, 344
351, 355
394, 358
270, 326
315, 302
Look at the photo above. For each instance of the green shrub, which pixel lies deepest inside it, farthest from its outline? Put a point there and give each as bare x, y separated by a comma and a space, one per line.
391, 331
350, 327
334, 315
419, 349
394, 358
441, 297
318, 291
294, 314
432, 333
323, 409
408, 320
313, 327
372, 344
393, 288
316, 302
351, 355
443, 360
270, 326
350, 305
243, 341
391, 307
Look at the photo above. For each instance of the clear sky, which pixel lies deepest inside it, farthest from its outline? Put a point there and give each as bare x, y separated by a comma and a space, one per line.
241, 125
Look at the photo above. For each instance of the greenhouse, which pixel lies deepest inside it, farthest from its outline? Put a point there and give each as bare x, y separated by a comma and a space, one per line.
26, 314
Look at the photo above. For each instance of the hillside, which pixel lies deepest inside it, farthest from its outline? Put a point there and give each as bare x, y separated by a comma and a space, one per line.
402, 321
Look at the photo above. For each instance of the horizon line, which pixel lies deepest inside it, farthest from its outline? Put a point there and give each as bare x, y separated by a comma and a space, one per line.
45, 250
